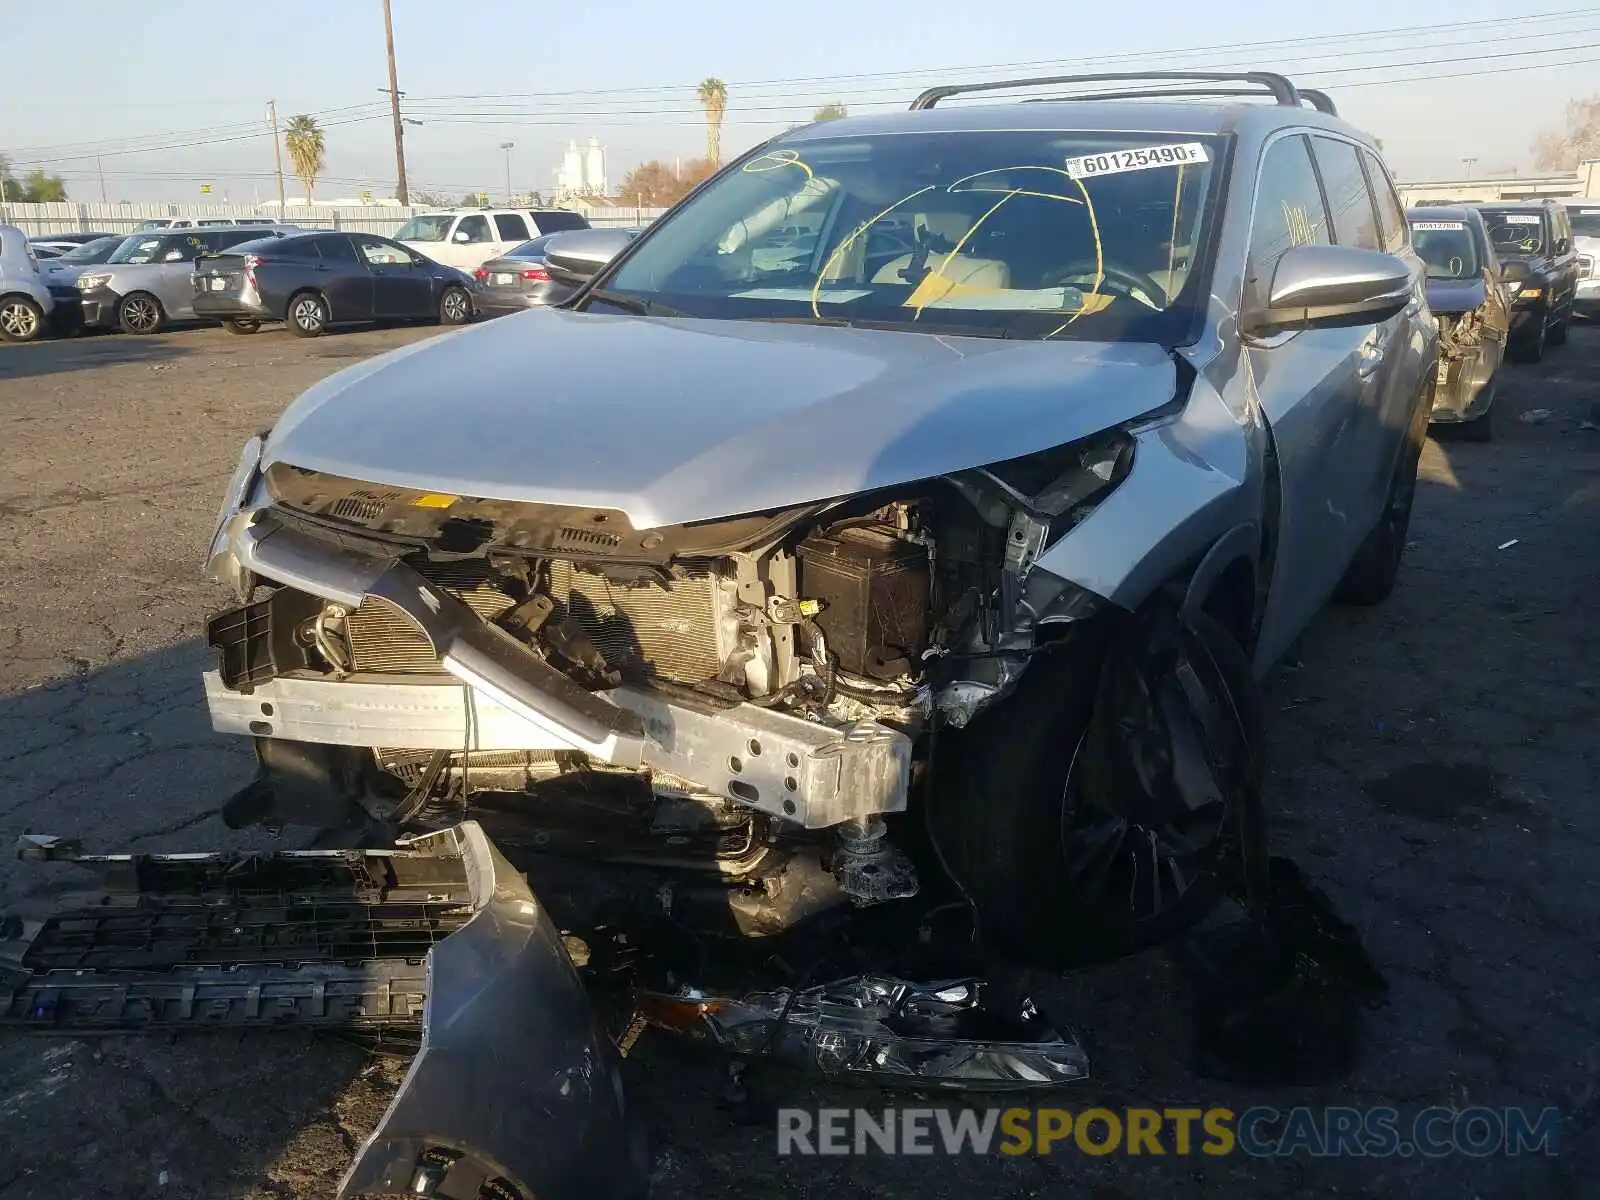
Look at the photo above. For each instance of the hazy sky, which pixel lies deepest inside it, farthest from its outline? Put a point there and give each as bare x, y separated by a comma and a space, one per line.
86, 79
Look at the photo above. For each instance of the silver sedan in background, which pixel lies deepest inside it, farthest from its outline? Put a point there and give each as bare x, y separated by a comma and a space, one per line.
518, 278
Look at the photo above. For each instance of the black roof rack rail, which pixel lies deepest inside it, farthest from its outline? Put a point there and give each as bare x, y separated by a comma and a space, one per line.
1272, 84
1318, 100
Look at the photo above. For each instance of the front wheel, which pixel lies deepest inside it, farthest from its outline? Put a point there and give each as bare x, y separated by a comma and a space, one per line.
455, 306
308, 315
1106, 804
242, 326
21, 320
140, 313
1558, 332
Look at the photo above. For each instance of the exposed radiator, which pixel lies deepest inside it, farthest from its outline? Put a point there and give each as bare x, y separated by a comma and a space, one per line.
670, 631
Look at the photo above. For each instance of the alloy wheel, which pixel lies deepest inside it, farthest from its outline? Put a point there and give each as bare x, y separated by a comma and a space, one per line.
455, 306
19, 321
140, 315
308, 314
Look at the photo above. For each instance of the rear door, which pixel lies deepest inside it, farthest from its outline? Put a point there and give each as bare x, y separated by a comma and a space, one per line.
173, 282
344, 279
510, 231
1309, 385
401, 290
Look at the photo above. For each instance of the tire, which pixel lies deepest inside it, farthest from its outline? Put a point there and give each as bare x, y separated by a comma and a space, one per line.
242, 326
455, 306
1557, 333
1059, 813
140, 313
1372, 573
308, 314
21, 320
1526, 349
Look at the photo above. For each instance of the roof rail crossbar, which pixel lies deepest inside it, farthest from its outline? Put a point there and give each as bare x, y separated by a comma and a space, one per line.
1277, 86
1317, 99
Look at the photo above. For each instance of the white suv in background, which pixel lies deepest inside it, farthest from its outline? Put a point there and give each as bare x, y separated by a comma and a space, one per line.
469, 237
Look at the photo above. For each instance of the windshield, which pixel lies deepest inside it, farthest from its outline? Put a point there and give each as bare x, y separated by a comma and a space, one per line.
1447, 248
1514, 232
431, 228
92, 251
137, 250
1585, 221
1016, 233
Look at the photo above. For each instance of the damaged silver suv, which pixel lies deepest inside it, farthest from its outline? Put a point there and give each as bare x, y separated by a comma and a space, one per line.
913, 505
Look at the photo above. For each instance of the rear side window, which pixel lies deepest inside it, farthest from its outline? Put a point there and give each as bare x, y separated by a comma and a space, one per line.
223, 238
510, 227
299, 249
1289, 212
1355, 222
557, 222
335, 248
475, 228
1391, 217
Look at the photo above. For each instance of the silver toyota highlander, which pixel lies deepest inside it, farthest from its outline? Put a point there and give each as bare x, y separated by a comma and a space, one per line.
945, 544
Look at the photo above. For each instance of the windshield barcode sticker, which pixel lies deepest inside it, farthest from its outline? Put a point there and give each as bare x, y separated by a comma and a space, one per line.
1519, 218
1140, 158
1426, 225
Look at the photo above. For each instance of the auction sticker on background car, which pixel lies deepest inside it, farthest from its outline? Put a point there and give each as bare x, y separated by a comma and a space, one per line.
1139, 158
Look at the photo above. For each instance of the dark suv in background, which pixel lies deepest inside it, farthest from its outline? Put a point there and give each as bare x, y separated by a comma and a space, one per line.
1533, 240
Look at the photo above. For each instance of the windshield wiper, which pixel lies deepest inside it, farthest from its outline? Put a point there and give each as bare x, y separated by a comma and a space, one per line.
987, 331
637, 305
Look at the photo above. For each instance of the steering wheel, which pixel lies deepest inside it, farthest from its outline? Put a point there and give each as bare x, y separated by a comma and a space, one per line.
1126, 280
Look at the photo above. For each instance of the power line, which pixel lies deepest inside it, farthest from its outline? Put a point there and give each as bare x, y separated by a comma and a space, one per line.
237, 130
1122, 56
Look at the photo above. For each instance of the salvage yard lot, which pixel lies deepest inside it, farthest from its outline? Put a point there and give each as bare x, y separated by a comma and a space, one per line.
1432, 763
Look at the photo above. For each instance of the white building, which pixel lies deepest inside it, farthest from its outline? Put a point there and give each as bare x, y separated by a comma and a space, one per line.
582, 171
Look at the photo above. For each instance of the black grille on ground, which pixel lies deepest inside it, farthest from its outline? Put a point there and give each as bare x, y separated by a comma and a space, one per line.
665, 630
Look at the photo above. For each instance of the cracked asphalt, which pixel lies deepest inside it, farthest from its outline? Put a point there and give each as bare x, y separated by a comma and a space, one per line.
1432, 764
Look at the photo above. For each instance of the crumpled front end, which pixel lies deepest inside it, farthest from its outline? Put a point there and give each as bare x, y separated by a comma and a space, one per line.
1469, 353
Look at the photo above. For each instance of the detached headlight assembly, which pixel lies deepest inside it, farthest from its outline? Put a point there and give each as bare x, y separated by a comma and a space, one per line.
88, 283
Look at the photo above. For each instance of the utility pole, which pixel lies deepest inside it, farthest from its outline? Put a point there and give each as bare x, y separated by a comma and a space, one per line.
508, 147
1467, 163
101, 169
401, 191
277, 156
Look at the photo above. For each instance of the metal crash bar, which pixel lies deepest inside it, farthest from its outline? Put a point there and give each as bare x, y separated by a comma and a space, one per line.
1271, 84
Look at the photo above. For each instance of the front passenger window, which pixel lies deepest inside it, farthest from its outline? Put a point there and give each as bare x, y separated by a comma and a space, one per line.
1289, 212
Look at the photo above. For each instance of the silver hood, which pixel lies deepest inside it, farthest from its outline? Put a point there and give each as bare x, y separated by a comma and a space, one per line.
673, 420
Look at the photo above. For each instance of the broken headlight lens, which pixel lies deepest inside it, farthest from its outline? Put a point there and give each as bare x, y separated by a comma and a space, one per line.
884, 1030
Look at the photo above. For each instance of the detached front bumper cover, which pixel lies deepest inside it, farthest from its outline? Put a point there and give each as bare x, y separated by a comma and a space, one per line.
516, 1092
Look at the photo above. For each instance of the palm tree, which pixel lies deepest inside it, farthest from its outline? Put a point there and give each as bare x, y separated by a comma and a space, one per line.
713, 96
305, 143
830, 112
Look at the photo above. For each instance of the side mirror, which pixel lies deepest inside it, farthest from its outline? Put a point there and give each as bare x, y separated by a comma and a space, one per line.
461, 236
1331, 287
174, 256
1563, 245
576, 257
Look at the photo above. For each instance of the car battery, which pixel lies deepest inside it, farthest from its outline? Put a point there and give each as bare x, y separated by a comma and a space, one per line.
873, 588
